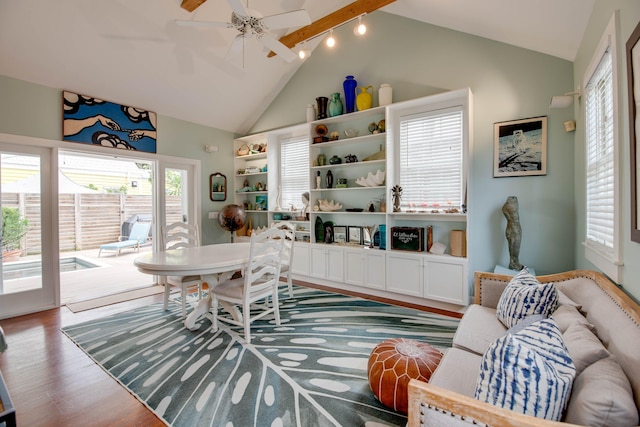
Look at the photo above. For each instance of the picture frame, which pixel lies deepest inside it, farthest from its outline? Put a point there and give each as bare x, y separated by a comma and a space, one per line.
217, 187
355, 235
520, 147
339, 233
633, 79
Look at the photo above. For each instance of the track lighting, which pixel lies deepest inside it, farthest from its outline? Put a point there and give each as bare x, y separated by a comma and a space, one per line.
331, 42
360, 29
304, 53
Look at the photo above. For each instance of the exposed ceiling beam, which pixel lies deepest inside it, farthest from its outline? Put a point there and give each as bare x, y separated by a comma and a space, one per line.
330, 21
191, 5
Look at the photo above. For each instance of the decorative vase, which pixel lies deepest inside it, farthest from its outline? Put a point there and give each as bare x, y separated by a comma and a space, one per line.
322, 107
311, 113
385, 94
329, 179
322, 159
349, 87
335, 105
364, 99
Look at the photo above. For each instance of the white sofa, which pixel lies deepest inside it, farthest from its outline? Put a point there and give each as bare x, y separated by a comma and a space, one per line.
597, 397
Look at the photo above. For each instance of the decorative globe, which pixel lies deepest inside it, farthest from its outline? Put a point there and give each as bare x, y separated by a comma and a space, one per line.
232, 218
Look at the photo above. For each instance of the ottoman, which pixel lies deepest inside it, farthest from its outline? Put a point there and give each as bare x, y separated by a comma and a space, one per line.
393, 363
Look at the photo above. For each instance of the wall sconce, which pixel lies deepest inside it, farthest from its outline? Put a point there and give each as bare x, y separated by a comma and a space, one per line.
331, 42
360, 29
563, 101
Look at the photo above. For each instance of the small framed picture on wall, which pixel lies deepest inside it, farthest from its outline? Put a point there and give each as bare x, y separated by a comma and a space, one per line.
339, 233
520, 147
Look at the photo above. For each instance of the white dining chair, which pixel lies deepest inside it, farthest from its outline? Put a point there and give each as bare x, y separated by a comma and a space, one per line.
175, 236
287, 253
259, 282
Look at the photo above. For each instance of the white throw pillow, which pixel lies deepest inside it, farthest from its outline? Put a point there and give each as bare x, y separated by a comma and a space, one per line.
525, 296
529, 372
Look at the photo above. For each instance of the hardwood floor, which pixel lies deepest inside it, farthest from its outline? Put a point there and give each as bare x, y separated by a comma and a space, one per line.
54, 383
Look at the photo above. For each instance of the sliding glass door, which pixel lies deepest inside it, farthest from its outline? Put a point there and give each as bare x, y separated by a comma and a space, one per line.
27, 230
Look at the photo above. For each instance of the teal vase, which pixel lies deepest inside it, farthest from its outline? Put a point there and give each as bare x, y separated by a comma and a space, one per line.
335, 105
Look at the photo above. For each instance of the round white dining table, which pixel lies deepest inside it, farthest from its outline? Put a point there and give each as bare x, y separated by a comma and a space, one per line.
213, 263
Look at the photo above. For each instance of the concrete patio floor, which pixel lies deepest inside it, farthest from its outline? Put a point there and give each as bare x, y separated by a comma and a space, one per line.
113, 274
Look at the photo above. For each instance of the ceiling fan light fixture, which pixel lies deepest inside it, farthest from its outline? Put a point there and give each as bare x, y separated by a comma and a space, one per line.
360, 29
331, 42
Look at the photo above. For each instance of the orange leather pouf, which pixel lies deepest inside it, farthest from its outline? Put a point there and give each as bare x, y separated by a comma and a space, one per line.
393, 363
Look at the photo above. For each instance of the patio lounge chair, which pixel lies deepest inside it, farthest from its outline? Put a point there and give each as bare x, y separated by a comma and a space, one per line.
139, 234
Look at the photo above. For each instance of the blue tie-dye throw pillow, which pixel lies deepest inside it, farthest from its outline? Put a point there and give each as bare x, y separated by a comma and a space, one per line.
525, 296
529, 372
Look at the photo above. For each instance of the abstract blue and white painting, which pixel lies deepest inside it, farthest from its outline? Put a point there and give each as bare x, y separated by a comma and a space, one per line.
95, 121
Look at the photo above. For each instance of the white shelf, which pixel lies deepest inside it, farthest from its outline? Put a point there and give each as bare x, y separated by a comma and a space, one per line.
347, 213
424, 216
252, 156
250, 174
380, 187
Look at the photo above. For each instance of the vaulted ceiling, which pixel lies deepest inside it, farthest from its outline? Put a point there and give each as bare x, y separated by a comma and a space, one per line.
132, 52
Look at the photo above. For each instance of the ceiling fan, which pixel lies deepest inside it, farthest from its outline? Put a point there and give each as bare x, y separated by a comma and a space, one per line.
251, 24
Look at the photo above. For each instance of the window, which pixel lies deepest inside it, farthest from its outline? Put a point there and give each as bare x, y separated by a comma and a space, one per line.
431, 160
294, 171
601, 163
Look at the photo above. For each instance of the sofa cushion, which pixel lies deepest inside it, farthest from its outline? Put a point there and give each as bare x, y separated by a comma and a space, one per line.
584, 347
478, 328
566, 315
525, 296
457, 371
602, 397
529, 372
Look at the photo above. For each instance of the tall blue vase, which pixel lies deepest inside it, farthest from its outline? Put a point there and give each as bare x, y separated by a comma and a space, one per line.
349, 86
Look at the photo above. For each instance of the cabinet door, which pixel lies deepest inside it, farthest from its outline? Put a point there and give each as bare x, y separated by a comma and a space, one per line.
318, 262
374, 272
300, 264
446, 281
354, 268
404, 274
335, 264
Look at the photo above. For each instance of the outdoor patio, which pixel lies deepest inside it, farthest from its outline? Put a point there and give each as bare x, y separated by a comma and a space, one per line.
112, 274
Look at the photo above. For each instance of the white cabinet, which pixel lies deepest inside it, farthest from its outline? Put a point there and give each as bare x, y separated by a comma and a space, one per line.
301, 258
327, 262
364, 267
436, 277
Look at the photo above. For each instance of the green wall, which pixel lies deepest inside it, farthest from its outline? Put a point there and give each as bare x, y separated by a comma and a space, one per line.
629, 16
34, 110
507, 82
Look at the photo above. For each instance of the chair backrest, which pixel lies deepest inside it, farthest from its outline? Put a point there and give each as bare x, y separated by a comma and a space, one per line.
180, 235
289, 234
140, 231
265, 259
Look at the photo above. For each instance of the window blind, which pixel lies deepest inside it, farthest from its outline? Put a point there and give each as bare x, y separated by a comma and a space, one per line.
600, 168
431, 160
294, 171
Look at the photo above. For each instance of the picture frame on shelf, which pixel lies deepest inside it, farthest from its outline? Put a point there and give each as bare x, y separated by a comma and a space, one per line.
261, 203
339, 233
355, 235
520, 147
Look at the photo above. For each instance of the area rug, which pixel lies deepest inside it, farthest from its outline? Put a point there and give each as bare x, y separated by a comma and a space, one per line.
114, 298
309, 371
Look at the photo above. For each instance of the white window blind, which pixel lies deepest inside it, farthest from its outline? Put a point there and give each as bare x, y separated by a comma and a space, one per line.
431, 160
600, 167
294, 171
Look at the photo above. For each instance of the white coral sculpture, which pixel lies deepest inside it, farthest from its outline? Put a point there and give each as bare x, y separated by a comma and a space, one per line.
372, 180
328, 206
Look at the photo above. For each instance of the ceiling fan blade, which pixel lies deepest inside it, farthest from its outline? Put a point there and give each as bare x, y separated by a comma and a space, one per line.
295, 18
204, 24
238, 7
273, 44
236, 49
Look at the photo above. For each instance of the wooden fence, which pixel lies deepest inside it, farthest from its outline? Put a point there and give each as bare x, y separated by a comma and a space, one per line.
86, 221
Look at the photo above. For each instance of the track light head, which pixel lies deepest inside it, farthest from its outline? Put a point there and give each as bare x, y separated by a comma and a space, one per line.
360, 29
331, 42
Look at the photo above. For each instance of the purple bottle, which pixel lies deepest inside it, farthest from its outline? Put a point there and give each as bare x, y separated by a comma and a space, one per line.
349, 86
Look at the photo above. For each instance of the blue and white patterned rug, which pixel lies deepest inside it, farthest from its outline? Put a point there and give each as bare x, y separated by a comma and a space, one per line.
310, 371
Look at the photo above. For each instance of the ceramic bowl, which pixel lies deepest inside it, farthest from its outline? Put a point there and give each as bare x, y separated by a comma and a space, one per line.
350, 133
